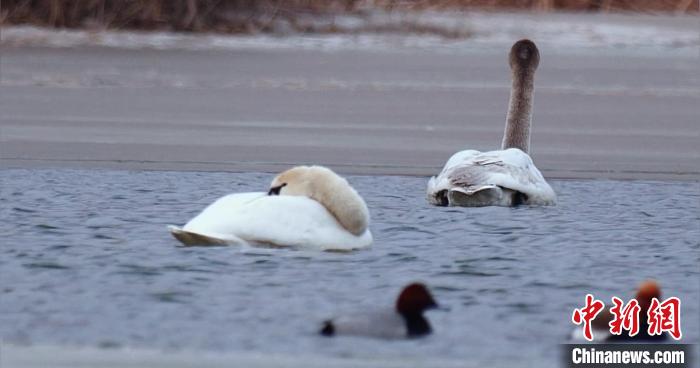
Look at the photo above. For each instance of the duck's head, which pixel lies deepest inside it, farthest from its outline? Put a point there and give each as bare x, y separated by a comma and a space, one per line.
648, 290
414, 300
524, 56
294, 181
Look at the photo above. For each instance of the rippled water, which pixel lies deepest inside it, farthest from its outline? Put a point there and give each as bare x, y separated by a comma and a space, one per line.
86, 260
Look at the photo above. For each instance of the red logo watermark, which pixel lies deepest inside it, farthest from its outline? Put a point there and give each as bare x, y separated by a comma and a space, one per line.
661, 317
625, 318
665, 317
586, 314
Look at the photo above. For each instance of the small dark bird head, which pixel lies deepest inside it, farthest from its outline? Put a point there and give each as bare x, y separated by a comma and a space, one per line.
328, 329
648, 290
414, 299
524, 55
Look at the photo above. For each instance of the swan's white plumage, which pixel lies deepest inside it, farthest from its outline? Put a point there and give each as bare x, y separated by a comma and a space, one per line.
498, 174
285, 221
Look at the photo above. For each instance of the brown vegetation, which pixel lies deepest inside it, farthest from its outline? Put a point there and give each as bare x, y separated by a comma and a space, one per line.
190, 15
566, 5
244, 16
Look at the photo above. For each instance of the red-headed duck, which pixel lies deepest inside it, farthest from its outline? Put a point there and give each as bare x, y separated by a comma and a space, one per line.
600, 325
405, 320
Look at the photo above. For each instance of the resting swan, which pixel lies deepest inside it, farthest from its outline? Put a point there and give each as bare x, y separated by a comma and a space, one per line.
306, 207
506, 177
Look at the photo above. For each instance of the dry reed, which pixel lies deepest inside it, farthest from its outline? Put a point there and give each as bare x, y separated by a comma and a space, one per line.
243, 16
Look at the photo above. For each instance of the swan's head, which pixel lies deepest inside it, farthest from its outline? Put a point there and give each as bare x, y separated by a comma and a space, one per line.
294, 181
328, 188
524, 56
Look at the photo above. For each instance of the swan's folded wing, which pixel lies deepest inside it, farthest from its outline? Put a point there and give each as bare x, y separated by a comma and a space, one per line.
441, 182
459, 159
471, 189
511, 169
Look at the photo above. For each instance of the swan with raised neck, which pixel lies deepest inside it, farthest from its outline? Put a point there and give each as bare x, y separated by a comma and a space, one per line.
328, 188
504, 177
524, 59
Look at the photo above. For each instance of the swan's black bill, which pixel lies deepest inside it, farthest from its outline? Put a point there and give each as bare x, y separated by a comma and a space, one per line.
276, 190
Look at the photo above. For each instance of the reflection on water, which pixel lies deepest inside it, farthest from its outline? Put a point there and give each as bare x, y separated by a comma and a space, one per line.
86, 259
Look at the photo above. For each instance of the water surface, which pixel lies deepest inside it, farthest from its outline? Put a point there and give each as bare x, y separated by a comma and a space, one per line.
86, 260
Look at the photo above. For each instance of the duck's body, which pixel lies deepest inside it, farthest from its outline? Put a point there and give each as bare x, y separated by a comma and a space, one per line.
275, 219
495, 178
505, 177
381, 324
405, 320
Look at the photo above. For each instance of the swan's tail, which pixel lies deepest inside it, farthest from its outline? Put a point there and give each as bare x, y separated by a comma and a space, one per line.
193, 239
475, 195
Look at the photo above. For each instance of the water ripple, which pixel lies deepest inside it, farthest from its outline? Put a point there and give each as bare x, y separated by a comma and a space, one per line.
86, 259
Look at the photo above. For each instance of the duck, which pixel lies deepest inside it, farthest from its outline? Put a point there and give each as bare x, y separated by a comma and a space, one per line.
506, 177
405, 320
600, 325
308, 207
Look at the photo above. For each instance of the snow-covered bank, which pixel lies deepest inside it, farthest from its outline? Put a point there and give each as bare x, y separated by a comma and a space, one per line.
442, 32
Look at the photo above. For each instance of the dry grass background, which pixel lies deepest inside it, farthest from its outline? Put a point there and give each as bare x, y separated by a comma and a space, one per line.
242, 16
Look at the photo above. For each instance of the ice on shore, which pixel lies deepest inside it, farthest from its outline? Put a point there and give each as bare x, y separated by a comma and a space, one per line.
441, 32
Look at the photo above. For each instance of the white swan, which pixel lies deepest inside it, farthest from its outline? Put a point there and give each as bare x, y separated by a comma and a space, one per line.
506, 177
306, 207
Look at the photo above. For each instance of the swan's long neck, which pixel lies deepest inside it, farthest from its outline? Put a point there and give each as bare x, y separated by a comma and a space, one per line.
348, 208
341, 200
519, 118
330, 190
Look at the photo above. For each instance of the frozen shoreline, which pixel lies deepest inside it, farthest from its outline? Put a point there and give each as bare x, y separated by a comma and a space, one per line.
446, 33
615, 105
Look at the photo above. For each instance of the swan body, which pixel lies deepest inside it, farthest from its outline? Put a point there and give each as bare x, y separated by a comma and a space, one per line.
505, 177
496, 178
279, 220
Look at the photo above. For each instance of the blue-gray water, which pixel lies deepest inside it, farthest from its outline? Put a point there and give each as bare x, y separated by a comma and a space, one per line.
86, 260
